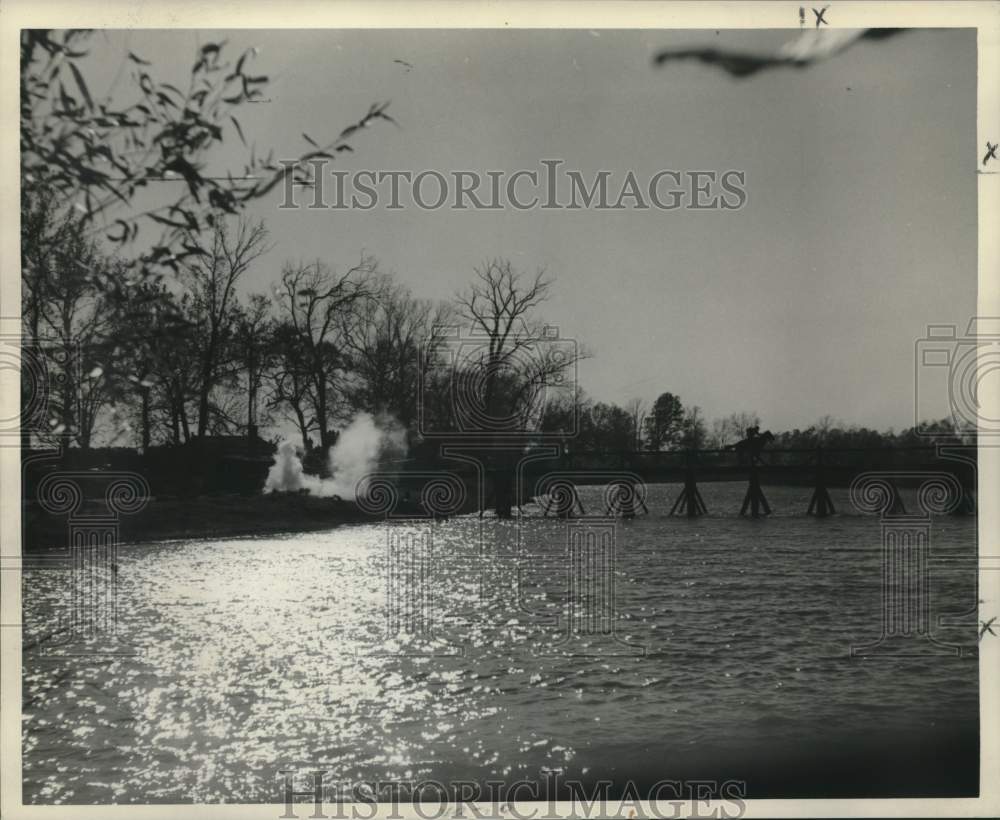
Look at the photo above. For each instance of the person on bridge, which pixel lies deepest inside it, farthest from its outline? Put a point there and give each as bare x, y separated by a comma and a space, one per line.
752, 445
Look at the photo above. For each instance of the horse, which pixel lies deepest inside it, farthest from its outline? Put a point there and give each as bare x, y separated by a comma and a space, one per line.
752, 445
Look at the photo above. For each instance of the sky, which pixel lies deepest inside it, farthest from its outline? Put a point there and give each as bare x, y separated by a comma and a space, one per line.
859, 228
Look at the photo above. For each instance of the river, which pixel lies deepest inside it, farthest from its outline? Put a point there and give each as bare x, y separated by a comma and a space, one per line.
728, 657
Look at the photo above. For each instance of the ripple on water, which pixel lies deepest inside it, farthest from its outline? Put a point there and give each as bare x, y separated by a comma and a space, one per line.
268, 653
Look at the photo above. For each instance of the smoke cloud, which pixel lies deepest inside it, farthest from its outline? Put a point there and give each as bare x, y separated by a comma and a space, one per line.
359, 449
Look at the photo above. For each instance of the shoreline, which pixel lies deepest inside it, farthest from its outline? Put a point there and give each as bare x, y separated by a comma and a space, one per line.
173, 519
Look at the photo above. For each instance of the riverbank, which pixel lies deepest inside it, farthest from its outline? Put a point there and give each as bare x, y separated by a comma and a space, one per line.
202, 517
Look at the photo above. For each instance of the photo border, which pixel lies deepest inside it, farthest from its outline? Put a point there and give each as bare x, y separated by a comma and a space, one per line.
596, 14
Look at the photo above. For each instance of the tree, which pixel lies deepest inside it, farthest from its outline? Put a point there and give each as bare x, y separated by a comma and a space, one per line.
510, 367
95, 153
254, 349
504, 370
732, 428
108, 165
212, 281
637, 409
694, 434
611, 427
64, 317
824, 426
389, 337
46, 230
287, 379
178, 385
316, 303
568, 413
663, 424
148, 330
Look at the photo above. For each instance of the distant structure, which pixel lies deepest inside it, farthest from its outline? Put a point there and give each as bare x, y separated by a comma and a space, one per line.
751, 446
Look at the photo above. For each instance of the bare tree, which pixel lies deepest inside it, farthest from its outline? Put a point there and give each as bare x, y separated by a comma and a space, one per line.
65, 317
287, 379
637, 409
212, 283
511, 365
694, 433
254, 349
178, 388
149, 333
316, 303
389, 337
732, 428
45, 230
824, 425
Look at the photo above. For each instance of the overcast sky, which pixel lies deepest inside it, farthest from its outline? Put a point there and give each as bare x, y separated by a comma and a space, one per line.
859, 230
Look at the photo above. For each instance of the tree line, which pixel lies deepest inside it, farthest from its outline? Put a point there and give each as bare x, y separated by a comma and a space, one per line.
143, 332
668, 424
175, 359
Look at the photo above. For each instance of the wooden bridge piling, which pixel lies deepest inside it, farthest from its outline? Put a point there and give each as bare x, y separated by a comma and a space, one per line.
689, 501
625, 500
754, 499
565, 498
897, 507
821, 505
967, 503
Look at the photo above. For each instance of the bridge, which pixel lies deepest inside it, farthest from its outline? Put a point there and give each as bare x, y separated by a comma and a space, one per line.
550, 473
819, 467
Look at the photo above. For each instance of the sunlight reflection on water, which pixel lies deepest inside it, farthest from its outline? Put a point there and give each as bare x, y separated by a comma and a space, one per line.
259, 654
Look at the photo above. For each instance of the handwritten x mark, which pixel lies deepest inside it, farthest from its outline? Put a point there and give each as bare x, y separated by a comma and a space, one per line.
991, 152
819, 16
987, 627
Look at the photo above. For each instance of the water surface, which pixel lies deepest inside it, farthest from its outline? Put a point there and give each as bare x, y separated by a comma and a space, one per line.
730, 658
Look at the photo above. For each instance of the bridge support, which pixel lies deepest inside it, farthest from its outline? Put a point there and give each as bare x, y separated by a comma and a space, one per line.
907, 615
563, 500
967, 506
754, 499
625, 499
966, 501
821, 505
965, 454
689, 502
623, 506
896, 507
